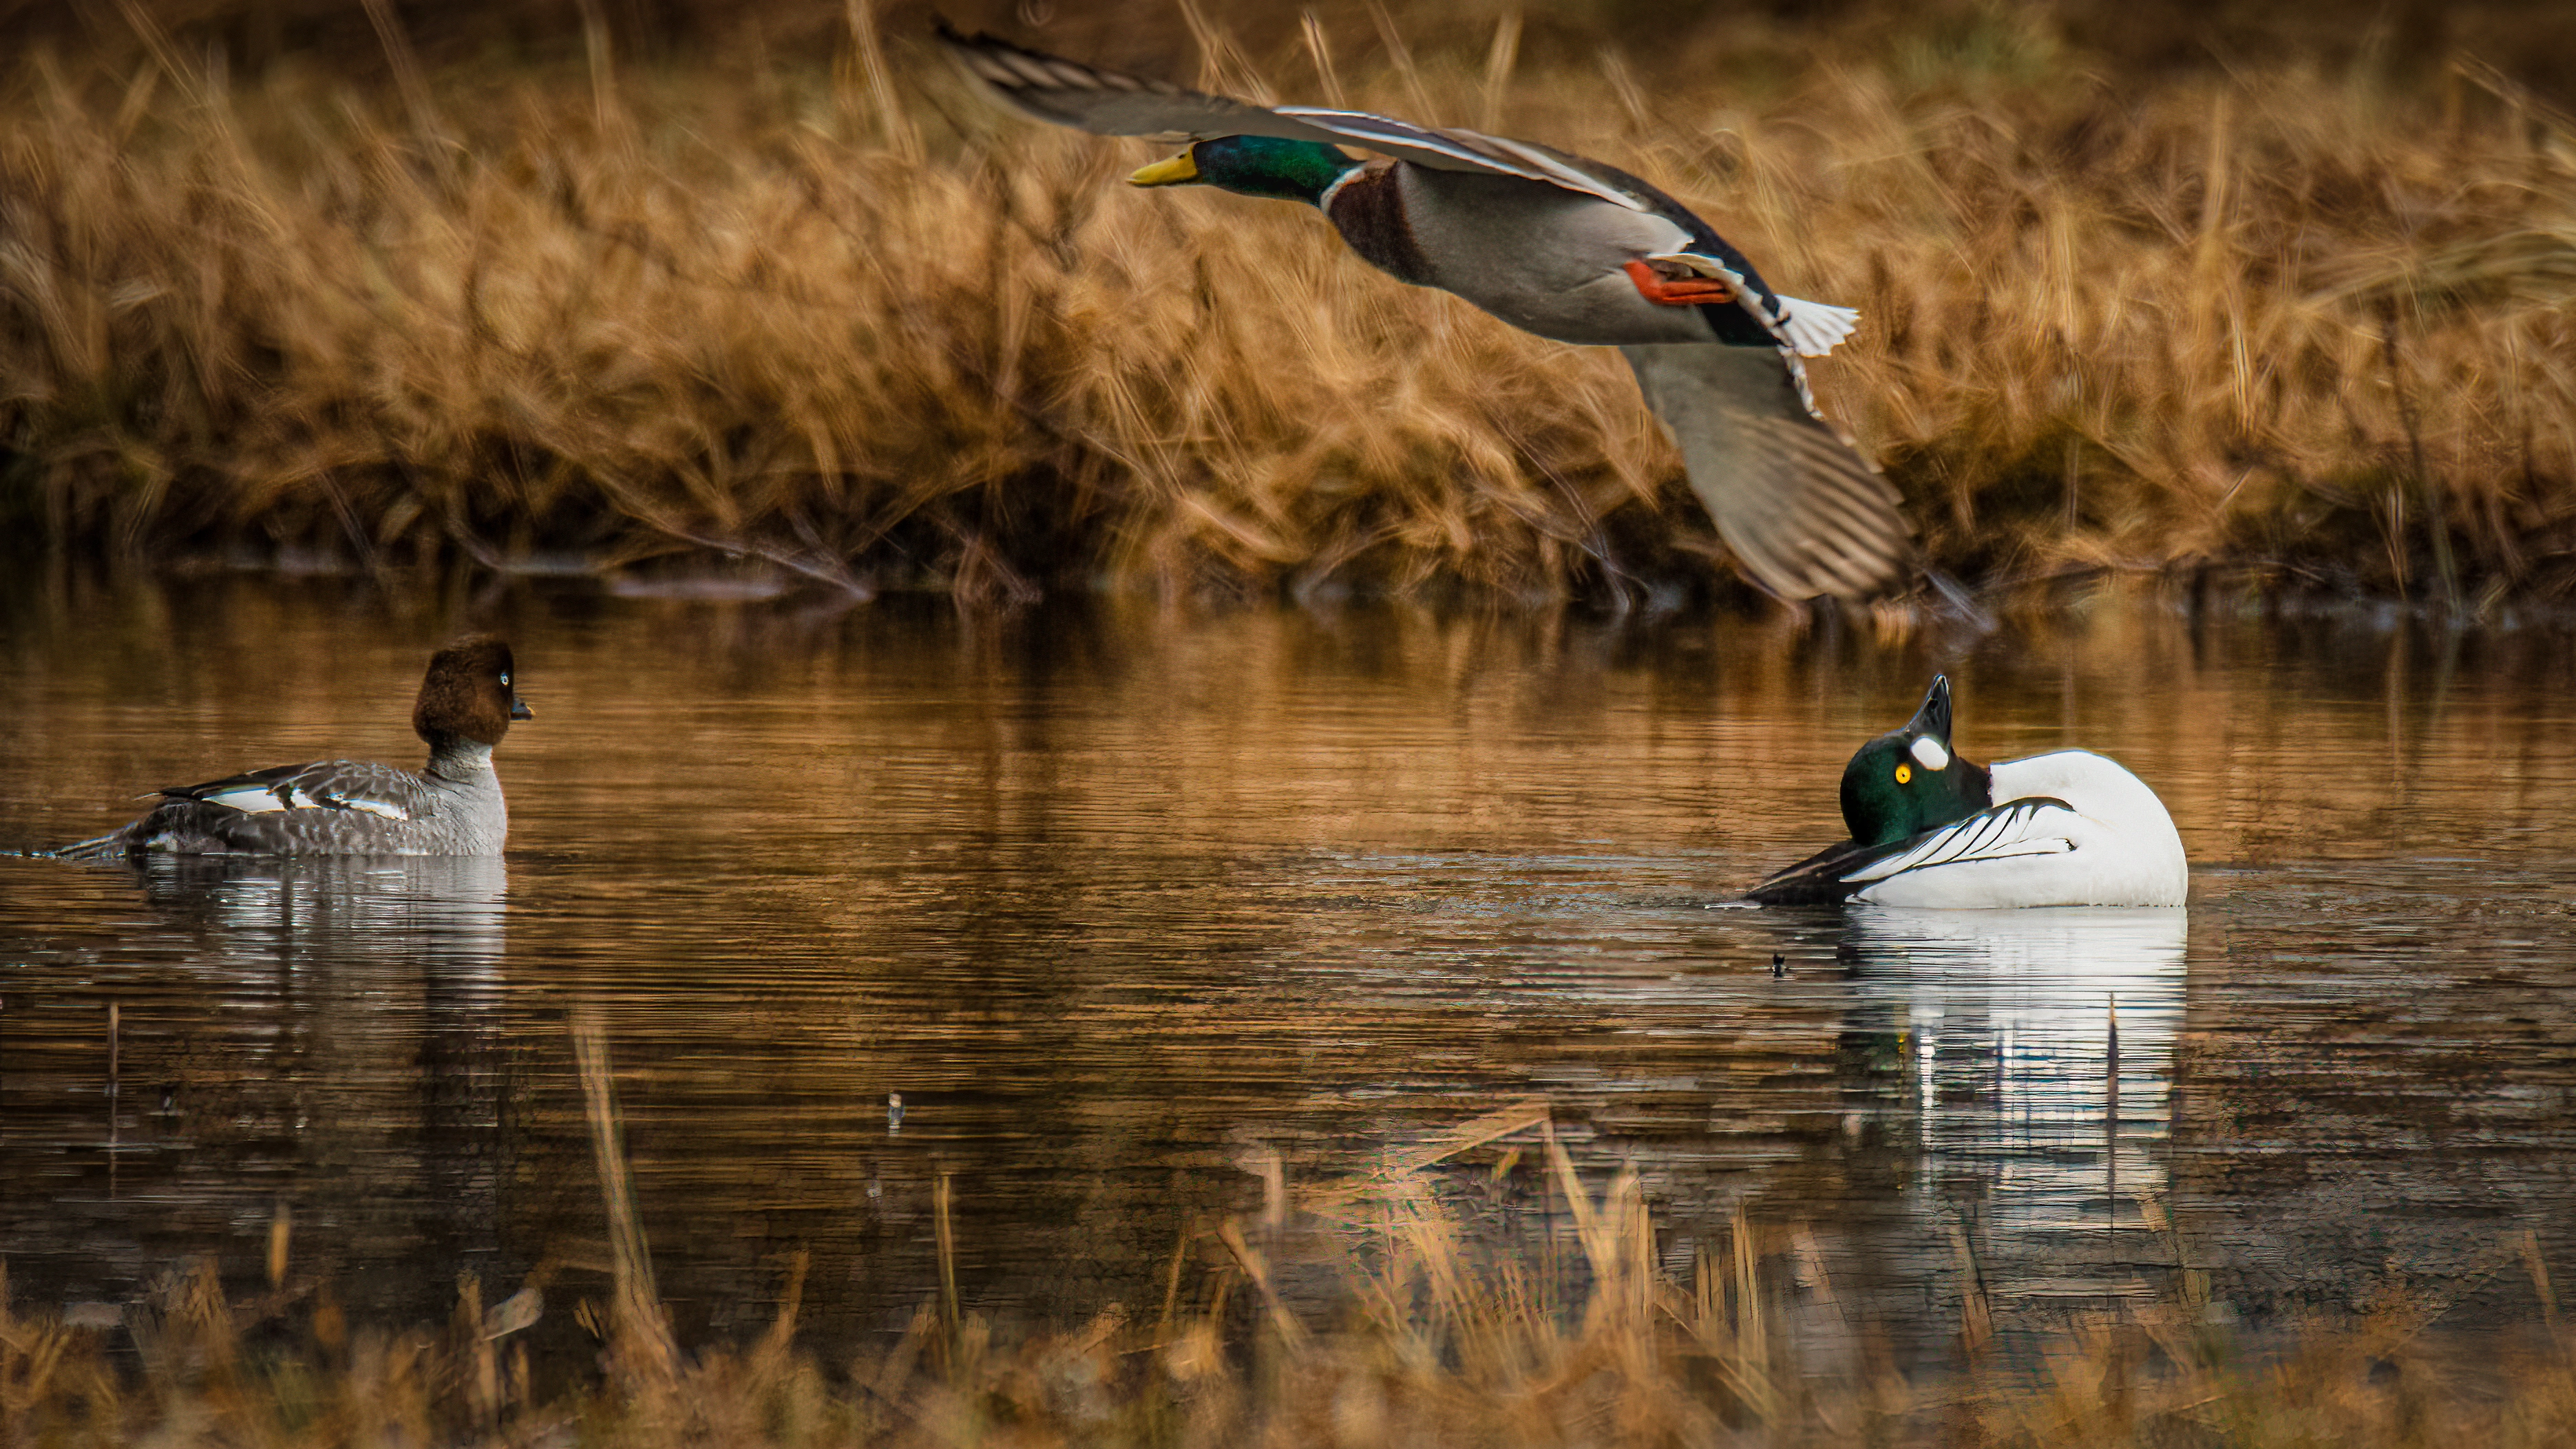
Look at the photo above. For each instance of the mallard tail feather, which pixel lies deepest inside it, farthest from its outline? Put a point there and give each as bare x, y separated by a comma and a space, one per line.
1808, 328
1813, 327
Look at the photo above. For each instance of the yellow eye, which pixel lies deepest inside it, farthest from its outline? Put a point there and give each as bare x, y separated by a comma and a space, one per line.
1904, 773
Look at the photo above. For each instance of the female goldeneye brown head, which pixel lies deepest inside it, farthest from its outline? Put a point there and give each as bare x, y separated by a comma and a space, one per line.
468, 694
1908, 781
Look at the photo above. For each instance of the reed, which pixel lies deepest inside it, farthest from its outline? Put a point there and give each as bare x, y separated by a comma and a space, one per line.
1437, 1341
839, 319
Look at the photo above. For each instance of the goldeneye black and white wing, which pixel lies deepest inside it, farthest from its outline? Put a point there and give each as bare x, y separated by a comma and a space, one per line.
355, 785
2015, 829
1817, 880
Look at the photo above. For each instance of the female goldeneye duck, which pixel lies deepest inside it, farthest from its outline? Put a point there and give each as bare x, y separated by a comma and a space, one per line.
452, 806
1929, 828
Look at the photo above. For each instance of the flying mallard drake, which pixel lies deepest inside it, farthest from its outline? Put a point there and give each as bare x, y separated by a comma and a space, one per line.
1554, 244
1929, 828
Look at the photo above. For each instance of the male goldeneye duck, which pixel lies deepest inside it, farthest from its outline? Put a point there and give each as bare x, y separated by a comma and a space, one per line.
452, 806
1929, 828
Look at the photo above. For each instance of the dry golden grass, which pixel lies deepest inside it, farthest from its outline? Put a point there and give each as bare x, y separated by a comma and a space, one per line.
1440, 1343
843, 319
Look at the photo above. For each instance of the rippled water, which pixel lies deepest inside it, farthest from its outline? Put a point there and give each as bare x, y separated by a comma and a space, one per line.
1122, 901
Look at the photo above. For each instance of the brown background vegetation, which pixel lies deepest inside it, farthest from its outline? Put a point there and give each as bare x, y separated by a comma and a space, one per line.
2145, 288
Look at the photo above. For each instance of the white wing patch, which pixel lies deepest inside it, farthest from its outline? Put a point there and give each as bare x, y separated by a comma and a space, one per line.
297, 794
2016, 828
252, 799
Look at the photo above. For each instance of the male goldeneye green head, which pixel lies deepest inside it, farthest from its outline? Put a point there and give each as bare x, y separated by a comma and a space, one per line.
452, 806
1930, 828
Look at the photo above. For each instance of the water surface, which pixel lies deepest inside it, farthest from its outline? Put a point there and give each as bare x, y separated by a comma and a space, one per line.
1124, 901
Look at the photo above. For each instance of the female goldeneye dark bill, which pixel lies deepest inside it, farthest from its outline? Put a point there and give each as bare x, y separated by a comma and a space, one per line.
1930, 828
1554, 244
452, 806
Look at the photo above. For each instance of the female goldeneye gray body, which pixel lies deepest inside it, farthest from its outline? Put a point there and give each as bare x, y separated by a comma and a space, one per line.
1928, 828
452, 806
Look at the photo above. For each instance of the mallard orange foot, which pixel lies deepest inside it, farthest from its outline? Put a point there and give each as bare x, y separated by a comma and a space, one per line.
1675, 291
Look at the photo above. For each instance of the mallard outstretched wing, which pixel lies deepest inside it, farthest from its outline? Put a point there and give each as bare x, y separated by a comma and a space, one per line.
1805, 513
1069, 93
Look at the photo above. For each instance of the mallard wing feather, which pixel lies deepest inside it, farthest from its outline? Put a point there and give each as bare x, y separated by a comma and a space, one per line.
1104, 102
1805, 513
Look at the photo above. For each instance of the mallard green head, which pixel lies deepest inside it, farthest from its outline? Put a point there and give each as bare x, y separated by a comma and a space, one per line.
1255, 166
1908, 781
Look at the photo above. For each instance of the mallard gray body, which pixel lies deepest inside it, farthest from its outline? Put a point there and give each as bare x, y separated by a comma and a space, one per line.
1560, 246
1467, 234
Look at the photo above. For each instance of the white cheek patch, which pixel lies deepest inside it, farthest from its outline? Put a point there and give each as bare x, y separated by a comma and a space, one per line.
1928, 753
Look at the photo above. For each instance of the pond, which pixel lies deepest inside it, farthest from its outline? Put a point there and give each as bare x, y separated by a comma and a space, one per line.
1137, 908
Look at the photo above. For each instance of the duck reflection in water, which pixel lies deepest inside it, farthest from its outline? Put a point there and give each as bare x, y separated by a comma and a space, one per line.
354, 1073
261, 912
2023, 1060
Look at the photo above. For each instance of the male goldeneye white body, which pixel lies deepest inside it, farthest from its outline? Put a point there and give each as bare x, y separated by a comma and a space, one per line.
452, 806
2067, 828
